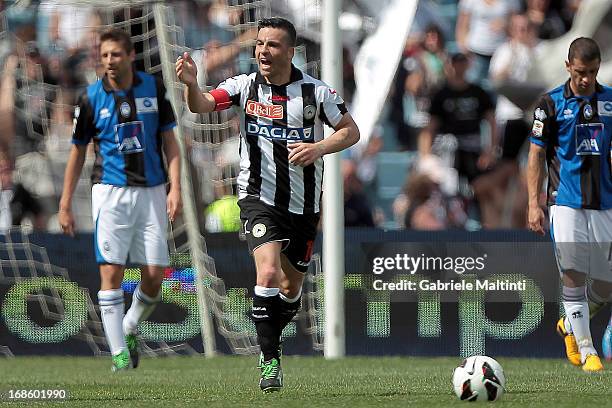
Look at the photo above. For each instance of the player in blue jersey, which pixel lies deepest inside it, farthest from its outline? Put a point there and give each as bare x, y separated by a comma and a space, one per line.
130, 121
572, 132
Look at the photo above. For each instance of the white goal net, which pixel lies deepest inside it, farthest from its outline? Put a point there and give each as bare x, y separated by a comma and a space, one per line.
49, 73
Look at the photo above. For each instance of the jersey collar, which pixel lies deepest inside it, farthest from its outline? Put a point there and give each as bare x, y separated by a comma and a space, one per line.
296, 75
568, 93
135, 82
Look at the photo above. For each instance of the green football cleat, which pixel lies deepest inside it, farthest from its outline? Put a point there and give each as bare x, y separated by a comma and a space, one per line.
132, 343
261, 356
121, 361
271, 376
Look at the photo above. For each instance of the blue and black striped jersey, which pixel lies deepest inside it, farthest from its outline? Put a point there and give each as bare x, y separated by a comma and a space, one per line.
126, 128
576, 132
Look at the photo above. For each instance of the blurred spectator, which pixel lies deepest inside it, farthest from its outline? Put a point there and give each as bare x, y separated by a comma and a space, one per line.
197, 25
16, 202
20, 23
410, 97
546, 20
415, 104
481, 28
70, 27
357, 210
26, 100
510, 64
210, 30
458, 109
27, 93
367, 159
423, 206
434, 56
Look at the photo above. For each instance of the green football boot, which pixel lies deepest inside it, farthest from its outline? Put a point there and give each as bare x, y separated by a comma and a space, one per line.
132, 343
121, 361
271, 376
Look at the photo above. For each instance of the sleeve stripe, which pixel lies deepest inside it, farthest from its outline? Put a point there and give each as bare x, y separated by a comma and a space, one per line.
537, 142
169, 126
323, 116
222, 99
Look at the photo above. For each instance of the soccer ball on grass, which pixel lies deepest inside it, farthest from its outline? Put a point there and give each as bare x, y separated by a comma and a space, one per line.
479, 378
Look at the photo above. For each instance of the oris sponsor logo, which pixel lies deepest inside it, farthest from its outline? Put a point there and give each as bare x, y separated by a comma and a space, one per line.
264, 111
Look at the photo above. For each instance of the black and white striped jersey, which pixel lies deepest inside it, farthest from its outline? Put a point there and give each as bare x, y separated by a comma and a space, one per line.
271, 116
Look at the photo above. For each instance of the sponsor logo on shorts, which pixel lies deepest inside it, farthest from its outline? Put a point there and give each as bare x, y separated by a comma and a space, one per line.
106, 246
264, 111
259, 230
604, 108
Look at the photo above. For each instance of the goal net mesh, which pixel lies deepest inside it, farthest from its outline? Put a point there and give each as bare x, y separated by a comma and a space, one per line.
220, 35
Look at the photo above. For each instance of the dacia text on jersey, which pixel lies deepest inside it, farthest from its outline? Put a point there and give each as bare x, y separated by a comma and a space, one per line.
279, 133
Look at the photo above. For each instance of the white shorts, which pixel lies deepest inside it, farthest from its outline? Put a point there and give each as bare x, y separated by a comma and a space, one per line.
130, 220
583, 240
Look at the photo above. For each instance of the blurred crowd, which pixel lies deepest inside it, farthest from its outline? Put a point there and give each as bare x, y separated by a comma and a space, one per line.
466, 142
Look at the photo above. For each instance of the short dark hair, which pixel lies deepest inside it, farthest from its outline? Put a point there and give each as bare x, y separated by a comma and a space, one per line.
282, 23
117, 35
585, 49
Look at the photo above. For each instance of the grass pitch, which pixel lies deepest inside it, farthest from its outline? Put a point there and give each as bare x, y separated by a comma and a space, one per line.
231, 381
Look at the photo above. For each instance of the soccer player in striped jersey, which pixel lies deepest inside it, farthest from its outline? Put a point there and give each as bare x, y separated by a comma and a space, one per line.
282, 111
131, 123
572, 132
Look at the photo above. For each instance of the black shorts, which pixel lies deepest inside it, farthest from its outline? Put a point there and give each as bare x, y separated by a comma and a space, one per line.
262, 223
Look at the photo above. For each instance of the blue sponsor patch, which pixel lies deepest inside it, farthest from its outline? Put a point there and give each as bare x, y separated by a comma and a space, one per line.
279, 133
130, 137
589, 138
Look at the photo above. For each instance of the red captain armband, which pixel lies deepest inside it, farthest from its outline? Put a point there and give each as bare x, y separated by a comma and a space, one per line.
222, 99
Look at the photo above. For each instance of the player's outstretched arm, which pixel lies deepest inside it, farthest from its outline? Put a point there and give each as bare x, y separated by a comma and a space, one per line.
171, 150
346, 134
71, 178
535, 177
187, 73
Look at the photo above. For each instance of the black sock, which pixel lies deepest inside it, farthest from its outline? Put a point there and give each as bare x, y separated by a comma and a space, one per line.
288, 312
266, 315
